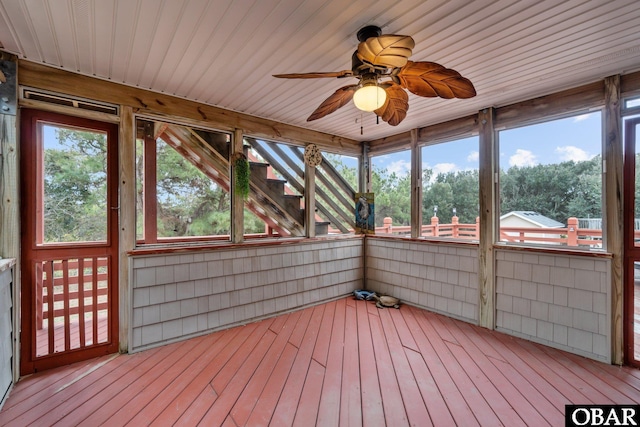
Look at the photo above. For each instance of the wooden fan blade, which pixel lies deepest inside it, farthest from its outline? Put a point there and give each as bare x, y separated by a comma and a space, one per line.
396, 106
429, 79
337, 99
387, 50
319, 75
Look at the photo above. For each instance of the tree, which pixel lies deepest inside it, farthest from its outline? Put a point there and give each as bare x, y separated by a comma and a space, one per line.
75, 187
440, 195
349, 173
558, 191
189, 203
392, 196
586, 201
451, 190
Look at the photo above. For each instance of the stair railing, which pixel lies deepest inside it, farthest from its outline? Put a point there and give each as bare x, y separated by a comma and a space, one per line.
335, 204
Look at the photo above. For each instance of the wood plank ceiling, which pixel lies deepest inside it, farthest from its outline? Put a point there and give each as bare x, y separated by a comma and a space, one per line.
223, 52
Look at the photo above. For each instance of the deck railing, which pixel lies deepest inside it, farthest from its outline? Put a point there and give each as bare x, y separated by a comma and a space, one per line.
571, 235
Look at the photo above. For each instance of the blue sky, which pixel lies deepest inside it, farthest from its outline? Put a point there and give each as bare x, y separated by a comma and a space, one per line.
576, 138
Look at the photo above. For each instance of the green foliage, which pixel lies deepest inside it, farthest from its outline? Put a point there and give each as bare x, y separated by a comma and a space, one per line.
557, 191
451, 190
350, 174
242, 176
392, 196
189, 203
75, 187
252, 224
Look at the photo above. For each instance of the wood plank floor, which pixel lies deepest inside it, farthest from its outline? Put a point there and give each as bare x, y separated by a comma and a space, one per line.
343, 363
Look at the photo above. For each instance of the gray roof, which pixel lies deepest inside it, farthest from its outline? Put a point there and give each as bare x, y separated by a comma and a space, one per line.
535, 218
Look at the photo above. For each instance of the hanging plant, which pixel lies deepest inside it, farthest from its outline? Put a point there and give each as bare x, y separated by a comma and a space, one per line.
241, 174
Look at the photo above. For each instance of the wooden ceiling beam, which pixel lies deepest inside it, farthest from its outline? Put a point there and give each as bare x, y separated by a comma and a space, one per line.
559, 104
146, 102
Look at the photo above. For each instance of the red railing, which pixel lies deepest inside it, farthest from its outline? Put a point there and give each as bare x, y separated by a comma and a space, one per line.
70, 287
572, 235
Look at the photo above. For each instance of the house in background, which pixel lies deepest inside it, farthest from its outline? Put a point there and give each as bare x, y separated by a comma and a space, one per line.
528, 219
197, 79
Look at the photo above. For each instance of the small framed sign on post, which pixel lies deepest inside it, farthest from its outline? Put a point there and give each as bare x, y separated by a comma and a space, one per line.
365, 214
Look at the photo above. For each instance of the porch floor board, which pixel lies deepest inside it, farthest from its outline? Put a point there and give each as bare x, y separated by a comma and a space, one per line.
340, 363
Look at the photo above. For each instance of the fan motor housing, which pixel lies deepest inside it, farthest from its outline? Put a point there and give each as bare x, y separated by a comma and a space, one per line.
369, 31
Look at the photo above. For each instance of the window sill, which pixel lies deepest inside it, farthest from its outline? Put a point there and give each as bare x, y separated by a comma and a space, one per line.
560, 250
160, 248
6, 263
442, 240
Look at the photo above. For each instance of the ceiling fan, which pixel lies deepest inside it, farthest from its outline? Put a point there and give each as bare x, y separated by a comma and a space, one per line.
381, 64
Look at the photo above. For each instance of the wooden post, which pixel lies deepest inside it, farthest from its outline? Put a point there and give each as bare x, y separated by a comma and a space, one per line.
237, 202
150, 205
365, 170
416, 186
572, 231
310, 200
364, 185
454, 226
488, 224
434, 223
387, 224
613, 208
127, 221
9, 207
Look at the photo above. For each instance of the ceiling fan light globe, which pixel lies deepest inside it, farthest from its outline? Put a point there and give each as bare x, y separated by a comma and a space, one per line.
369, 98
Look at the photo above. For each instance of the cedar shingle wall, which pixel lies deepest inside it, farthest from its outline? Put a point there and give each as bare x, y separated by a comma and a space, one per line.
559, 300
177, 296
439, 277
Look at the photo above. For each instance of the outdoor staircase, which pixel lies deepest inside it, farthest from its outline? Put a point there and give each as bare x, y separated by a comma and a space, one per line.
270, 198
274, 190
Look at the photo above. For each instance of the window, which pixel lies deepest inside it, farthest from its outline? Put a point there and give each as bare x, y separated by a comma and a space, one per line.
450, 189
391, 185
182, 183
551, 183
336, 185
630, 112
183, 187
74, 184
632, 103
277, 203
277, 200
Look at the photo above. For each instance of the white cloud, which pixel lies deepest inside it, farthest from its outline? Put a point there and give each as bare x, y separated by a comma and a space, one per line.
444, 168
400, 167
581, 117
440, 168
570, 152
523, 158
473, 156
